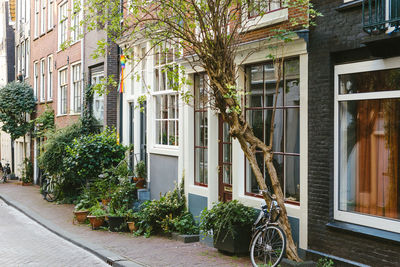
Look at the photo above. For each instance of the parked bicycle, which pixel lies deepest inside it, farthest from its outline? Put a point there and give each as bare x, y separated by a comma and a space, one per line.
268, 243
50, 188
6, 172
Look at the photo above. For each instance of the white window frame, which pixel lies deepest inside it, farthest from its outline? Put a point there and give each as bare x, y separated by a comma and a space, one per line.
372, 65
59, 97
23, 58
62, 23
50, 81
75, 21
27, 61
96, 78
35, 78
50, 15
269, 18
77, 83
167, 92
42, 79
43, 17
36, 19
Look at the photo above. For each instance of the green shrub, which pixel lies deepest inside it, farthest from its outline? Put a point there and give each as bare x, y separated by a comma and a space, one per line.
97, 210
325, 262
27, 171
226, 215
88, 155
87, 199
51, 159
123, 197
168, 214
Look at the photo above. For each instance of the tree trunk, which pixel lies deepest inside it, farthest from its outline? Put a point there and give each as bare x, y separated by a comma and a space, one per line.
239, 128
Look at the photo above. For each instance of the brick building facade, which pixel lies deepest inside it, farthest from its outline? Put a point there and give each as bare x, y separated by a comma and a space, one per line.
55, 74
343, 216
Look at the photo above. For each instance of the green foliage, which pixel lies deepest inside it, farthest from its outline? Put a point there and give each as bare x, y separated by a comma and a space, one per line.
226, 215
86, 200
183, 224
88, 155
51, 160
44, 123
325, 262
123, 196
89, 123
27, 171
97, 210
16, 102
168, 214
140, 169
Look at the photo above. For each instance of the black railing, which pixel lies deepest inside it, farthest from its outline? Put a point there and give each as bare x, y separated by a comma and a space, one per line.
380, 15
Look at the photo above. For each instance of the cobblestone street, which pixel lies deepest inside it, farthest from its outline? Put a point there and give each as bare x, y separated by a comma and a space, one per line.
154, 251
23, 242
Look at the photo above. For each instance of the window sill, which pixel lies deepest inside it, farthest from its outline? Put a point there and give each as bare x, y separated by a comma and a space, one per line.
364, 230
349, 5
165, 150
268, 19
74, 113
61, 115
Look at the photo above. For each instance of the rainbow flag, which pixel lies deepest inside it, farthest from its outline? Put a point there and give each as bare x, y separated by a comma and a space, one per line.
121, 85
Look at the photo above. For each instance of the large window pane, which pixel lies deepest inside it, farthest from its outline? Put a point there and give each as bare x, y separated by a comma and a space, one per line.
369, 153
262, 89
372, 81
292, 178
292, 130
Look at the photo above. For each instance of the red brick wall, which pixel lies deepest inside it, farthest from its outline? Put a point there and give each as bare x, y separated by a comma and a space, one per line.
45, 45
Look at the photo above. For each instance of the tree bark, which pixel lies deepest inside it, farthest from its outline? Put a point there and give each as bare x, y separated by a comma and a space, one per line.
240, 130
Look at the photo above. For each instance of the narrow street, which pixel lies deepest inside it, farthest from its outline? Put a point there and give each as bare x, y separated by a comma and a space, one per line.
23, 242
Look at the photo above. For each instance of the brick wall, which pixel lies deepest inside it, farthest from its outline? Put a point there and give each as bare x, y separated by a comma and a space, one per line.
45, 45
336, 39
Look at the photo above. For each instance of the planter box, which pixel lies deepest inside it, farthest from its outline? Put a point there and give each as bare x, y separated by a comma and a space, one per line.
81, 215
186, 238
117, 224
95, 222
238, 244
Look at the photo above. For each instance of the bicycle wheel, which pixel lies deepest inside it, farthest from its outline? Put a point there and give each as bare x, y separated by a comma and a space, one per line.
268, 247
51, 190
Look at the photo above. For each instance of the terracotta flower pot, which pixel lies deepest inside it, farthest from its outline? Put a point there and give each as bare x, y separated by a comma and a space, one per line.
81, 215
95, 222
140, 182
132, 226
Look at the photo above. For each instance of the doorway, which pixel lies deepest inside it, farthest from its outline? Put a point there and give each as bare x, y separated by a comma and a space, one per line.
224, 161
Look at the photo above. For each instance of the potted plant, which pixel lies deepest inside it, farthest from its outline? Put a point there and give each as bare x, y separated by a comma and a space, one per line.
117, 219
81, 210
140, 171
230, 225
97, 216
130, 220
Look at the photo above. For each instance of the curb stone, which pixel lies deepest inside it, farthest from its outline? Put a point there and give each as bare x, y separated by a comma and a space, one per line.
106, 255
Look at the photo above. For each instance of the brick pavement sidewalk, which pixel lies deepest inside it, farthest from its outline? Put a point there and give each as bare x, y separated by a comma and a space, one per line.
153, 251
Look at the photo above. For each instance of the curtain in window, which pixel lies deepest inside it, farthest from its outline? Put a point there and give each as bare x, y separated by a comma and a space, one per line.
377, 174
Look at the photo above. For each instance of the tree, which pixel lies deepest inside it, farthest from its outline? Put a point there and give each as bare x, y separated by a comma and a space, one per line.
16, 103
210, 33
